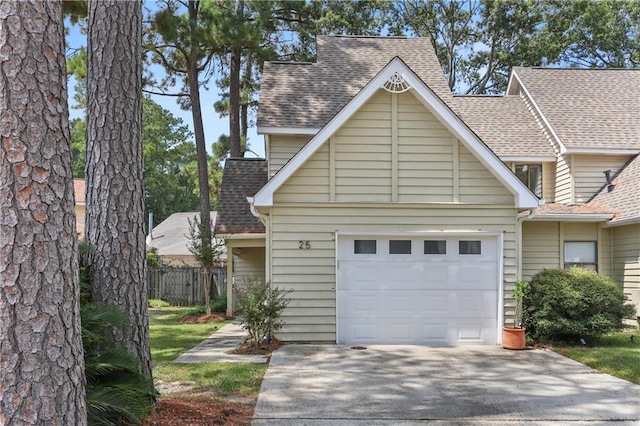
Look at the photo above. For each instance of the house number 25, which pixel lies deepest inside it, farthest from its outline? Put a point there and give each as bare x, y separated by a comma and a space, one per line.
304, 245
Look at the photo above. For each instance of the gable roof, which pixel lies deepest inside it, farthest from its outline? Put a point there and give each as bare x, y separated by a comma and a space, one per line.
170, 237
587, 108
242, 178
505, 124
308, 95
625, 196
524, 198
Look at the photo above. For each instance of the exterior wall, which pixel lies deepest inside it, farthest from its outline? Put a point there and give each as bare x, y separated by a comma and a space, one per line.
248, 263
588, 173
564, 180
391, 168
626, 260
548, 179
179, 260
311, 315
81, 210
543, 245
282, 148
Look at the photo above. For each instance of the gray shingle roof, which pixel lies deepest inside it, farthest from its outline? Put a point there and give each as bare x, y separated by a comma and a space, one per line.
170, 237
242, 178
309, 95
625, 197
504, 123
588, 108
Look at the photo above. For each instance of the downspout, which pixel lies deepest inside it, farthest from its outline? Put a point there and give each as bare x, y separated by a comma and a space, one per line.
264, 218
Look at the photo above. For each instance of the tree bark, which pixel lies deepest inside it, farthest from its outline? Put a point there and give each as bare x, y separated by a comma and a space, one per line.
201, 149
234, 93
114, 169
41, 360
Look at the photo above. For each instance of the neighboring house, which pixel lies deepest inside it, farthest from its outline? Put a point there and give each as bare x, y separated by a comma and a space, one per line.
400, 213
81, 206
171, 239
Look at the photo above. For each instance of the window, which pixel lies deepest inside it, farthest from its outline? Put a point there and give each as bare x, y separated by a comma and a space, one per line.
364, 246
582, 254
531, 175
469, 247
435, 247
399, 246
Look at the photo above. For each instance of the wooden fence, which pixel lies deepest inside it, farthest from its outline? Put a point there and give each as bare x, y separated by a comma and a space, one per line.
183, 286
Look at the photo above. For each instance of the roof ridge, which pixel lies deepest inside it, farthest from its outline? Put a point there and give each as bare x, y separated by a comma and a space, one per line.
367, 36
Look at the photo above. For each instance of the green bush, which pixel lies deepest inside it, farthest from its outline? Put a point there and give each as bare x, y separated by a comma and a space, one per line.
569, 304
158, 303
261, 305
219, 304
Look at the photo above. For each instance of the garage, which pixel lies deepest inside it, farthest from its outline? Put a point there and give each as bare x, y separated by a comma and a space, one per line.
436, 290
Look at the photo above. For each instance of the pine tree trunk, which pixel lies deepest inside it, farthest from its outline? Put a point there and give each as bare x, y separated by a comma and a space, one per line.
201, 151
41, 361
235, 147
114, 168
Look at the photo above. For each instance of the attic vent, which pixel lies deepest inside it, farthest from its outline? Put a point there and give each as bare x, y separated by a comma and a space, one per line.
396, 84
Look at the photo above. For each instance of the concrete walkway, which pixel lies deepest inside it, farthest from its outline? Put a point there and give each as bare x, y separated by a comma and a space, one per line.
216, 347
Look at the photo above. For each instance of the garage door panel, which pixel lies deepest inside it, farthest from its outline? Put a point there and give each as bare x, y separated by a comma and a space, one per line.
415, 298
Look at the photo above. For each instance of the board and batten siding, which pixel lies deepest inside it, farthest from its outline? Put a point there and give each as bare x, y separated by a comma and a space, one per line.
282, 148
391, 168
588, 173
626, 260
543, 245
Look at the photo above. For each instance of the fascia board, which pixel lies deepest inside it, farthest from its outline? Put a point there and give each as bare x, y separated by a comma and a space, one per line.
603, 151
563, 148
528, 159
273, 130
572, 217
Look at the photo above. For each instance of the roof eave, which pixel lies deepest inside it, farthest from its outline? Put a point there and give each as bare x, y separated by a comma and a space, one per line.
276, 130
586, 217
622, 222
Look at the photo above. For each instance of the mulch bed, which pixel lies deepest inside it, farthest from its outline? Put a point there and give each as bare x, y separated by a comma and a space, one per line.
263, 349
202, 318
199, 411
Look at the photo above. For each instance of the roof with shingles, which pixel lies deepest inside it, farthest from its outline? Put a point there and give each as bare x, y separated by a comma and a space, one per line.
504, 123
242, 178
625, 197
587, 107
553, 209
310, 94
171, 236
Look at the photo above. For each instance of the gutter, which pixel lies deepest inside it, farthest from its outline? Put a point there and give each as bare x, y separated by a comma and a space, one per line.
571, 217
622, 222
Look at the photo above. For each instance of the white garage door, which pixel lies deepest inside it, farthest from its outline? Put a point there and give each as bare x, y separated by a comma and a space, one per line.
439, 291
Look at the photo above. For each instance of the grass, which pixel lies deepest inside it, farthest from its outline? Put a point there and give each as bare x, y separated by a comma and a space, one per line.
614, 354
170, 338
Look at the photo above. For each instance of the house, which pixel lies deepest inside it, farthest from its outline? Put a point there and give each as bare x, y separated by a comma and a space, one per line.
171, 239
79, 190
399, 213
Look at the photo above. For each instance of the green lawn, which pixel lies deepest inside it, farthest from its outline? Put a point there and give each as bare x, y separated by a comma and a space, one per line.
613, 354
170, 338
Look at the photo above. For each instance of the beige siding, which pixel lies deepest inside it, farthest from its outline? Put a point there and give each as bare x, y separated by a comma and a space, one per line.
588, 173
425, 154
393, 149
543, 245
282, 148
540, 247
311, 272
549, 182
248, 263
626, 260
564, 180
363, 153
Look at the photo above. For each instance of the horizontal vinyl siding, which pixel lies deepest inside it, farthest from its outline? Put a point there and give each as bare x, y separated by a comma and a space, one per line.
564, 181
282, 148
311, 272
309, 183
248, 264
626, 260
425, 154
588, 173
540, 247
548, 182
477, 184
363, 153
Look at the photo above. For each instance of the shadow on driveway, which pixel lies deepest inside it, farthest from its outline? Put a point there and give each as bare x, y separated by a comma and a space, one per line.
330, 384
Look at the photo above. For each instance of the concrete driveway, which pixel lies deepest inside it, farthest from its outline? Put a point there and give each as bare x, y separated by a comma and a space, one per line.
331, 385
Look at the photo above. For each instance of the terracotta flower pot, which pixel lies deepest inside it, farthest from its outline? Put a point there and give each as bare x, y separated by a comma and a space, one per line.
513, 338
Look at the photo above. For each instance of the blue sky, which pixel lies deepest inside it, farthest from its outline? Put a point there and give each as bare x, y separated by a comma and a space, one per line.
214, 126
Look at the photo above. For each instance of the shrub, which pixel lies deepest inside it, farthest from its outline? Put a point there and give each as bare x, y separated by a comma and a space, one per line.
219, 304
261, 305
158, 303
566, 305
